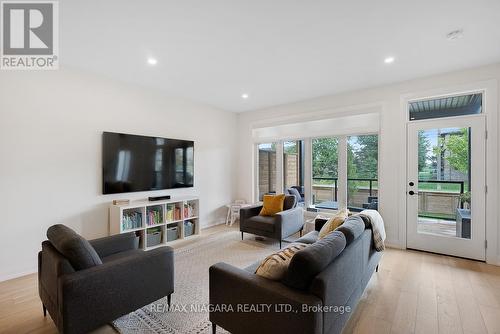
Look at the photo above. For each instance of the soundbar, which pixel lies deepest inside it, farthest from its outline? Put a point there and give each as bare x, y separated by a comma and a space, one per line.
158, 198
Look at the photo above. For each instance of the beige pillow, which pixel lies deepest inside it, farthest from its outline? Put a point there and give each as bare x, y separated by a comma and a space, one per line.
333, 223
274, 266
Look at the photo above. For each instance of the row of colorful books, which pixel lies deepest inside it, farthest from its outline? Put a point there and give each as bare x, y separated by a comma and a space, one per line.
154, 217
131, 220
189, 210
173, 213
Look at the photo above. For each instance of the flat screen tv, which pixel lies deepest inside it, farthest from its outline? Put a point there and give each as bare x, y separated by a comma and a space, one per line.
138, 163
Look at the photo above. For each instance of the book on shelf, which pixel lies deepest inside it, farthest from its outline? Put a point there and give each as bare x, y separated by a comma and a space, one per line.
154, 217
131, 220
189, 210
177, 213
170, 212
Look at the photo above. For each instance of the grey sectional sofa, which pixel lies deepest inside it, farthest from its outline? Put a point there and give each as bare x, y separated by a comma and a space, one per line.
321, 289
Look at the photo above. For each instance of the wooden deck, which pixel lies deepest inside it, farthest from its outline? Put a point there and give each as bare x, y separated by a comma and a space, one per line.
437, 226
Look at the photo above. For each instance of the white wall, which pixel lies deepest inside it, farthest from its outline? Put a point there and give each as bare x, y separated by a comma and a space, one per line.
50, 150
387, 100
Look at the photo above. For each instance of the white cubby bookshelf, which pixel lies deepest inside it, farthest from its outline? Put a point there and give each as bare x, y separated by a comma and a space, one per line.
165, 219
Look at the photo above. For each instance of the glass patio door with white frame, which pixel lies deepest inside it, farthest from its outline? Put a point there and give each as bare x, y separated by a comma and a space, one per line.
446, 186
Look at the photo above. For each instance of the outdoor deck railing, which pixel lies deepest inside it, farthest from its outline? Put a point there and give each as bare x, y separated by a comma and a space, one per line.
335, 181
460, 183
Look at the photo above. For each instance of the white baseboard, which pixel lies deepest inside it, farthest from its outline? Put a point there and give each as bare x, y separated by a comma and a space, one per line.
394, 244
213, 223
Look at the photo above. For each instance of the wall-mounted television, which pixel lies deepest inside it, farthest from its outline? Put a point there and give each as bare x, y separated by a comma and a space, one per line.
133, 163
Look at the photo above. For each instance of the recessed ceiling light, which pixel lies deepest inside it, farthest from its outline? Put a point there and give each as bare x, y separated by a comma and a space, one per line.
152, 61
455, 34
389, 60
245, 96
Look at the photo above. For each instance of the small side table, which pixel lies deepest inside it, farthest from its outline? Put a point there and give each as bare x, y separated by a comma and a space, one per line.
229, 206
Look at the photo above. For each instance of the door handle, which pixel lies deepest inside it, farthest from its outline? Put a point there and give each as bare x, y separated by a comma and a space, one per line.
411, 192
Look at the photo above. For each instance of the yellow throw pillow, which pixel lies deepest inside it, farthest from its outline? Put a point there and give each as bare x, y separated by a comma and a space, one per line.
272, 205
333, 223
274, 266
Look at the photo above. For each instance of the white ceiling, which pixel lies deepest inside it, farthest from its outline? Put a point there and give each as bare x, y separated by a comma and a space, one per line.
277, 51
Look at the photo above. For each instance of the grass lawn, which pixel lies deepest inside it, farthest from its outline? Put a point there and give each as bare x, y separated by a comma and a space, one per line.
444, 187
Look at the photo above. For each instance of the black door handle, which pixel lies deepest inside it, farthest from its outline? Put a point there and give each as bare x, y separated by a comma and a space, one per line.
411, 184
411, 192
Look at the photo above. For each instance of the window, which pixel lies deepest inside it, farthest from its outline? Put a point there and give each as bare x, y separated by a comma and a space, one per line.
328, 172
446, 107
362, 172
325, 172
266, 169
293, 165
444, 175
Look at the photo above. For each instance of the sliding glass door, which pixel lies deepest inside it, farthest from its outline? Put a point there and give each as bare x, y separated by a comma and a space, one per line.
339, 171
362, 172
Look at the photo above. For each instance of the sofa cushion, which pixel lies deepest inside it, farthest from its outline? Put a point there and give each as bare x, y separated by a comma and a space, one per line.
310, 261
352, 228
309, 238
274, 266
272, 204
333, 223
290, 202
295, 192
117, 243
262, 223
72, 246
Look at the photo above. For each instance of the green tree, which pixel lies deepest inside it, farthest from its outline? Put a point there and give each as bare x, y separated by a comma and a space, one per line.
290, 147
325, 158
424, 146
365, 156
457, 147
352, 169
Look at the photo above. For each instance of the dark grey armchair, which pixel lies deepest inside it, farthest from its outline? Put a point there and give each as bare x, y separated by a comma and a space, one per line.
84, 285
280, 226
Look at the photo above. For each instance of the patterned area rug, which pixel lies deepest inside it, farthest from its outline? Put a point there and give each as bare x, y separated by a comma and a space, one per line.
190, 299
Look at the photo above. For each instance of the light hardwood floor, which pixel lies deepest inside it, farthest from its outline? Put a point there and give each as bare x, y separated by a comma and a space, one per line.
417, 292
413, 292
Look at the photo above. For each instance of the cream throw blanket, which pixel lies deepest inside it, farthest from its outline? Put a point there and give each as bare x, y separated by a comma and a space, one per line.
378, 228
